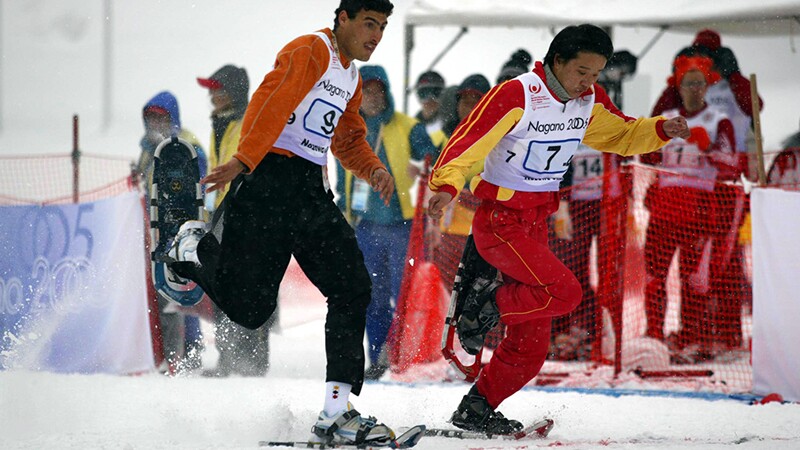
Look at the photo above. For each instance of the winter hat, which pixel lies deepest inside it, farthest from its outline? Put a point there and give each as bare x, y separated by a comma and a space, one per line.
430, 85
232, 80
430, 79
684, 64
707, 38
473, 83
518, 64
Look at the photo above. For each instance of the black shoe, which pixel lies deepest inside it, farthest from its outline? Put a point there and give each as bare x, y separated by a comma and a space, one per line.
479, 315
475, 414
375, 371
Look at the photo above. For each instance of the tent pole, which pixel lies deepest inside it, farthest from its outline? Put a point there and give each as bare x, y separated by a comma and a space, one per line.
653, 41
409, 45
438, 58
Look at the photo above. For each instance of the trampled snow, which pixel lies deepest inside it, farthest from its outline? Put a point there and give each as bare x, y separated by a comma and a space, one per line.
153, 411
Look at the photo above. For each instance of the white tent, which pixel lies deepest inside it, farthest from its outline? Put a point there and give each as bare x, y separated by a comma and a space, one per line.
741, 17
747, 16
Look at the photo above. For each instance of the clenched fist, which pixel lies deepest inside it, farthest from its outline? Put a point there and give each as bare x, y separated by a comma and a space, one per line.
676, 127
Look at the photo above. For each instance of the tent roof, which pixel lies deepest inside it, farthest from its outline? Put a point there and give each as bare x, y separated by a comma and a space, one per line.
748, 17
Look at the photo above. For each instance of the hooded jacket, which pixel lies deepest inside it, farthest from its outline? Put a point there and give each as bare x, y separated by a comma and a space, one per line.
396, 138
166, 101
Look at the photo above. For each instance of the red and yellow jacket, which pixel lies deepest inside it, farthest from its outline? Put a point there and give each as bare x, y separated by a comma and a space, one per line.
500, 110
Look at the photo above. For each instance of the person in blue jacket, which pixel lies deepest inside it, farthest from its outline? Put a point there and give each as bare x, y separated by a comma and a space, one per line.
181, 335
383, 232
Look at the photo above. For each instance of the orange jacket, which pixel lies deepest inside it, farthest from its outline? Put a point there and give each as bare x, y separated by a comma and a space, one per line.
298, 67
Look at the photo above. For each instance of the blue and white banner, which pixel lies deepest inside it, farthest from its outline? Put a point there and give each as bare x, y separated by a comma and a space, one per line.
73, 289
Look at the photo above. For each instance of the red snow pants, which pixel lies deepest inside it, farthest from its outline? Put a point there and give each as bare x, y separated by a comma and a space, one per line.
537, 286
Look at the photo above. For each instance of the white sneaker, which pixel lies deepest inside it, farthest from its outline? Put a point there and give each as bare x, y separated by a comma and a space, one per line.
350, 427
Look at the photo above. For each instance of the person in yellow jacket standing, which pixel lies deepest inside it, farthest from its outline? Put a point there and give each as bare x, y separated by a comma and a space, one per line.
241, 351
382, 232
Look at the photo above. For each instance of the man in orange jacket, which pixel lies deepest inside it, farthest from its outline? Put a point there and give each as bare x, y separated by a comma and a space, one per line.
280, 203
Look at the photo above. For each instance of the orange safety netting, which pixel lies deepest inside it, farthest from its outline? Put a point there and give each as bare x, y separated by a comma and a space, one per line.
49, 179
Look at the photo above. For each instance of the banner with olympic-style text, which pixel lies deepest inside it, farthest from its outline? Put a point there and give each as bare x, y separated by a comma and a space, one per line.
73, 289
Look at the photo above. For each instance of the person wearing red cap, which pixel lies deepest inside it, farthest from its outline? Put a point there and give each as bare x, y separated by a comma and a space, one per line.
228, 91
682, 210
241, 351
526, 131
282, 204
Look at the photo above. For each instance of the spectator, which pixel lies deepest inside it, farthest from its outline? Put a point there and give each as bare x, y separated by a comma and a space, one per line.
180, 330
731, 93
429, 89
457, 219
519, 63
241, 351
784, 171
383, 232
683, 210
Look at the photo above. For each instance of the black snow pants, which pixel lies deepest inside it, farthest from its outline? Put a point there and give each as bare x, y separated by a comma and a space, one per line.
283, 209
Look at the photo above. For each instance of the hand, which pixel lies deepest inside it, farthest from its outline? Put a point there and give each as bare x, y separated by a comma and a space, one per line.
382, 182
699, 137
220, 176
676, 127
725, 62
563, 223
437, 203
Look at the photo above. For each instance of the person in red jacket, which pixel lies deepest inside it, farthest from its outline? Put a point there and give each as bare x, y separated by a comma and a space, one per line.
526, 131
683, 210
730, 93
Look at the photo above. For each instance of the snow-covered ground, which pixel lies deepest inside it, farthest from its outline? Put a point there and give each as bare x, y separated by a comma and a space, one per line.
152, 411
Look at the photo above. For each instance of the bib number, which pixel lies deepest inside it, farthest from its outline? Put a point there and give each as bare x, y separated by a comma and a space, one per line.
683, 156
549, 157
321, 118
588, 167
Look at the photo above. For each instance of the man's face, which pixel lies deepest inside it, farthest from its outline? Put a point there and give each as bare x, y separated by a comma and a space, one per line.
374, 101
358, 37
580, 73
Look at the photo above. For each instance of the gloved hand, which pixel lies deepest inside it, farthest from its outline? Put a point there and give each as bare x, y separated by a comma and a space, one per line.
699, 137
563, 222
725, 62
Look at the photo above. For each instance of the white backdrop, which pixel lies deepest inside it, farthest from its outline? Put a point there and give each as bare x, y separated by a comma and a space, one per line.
776, 292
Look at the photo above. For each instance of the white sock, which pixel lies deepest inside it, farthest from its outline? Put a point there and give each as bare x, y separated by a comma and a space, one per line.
336, 397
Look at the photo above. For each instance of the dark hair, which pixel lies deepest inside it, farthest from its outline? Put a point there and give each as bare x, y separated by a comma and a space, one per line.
352, 7
579, 38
